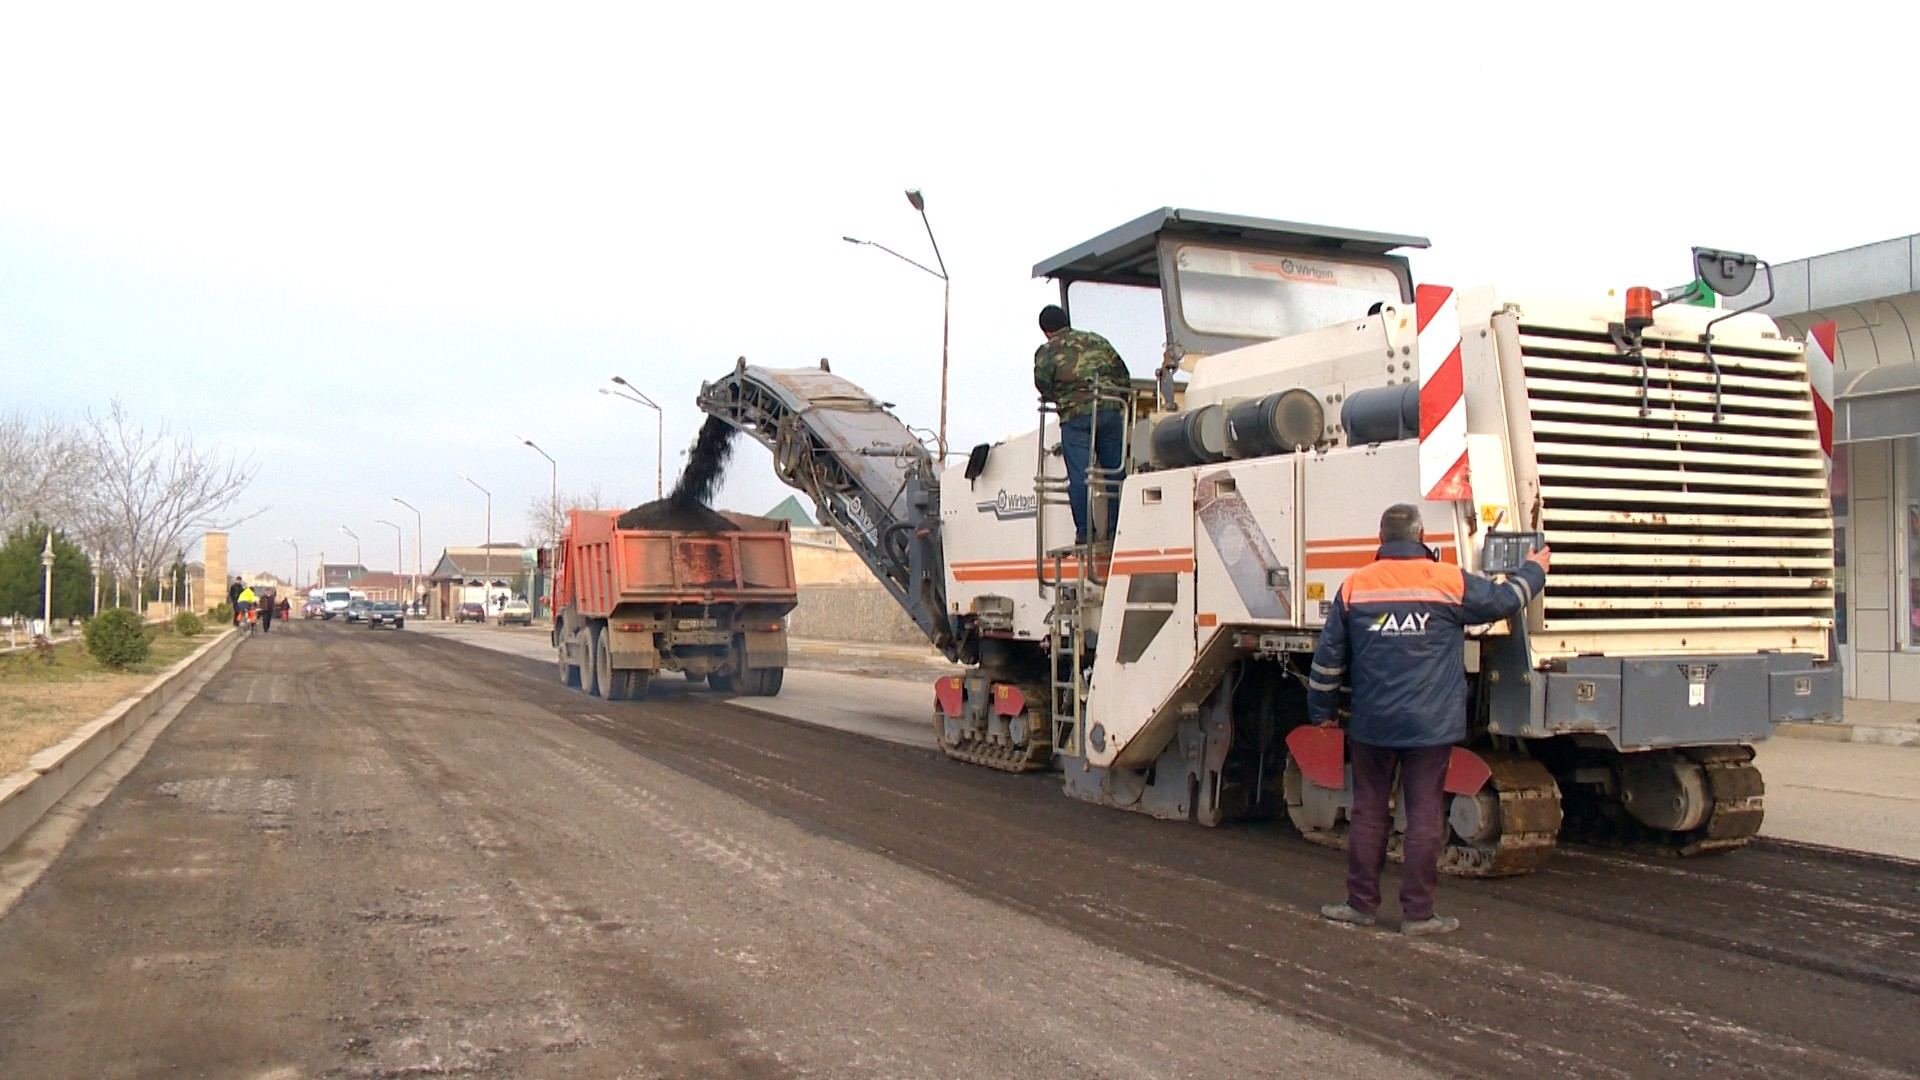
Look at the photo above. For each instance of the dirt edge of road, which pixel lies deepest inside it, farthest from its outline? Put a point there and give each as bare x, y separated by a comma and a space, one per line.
62, 781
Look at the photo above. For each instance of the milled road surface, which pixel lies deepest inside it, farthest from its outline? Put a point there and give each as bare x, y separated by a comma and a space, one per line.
367, 854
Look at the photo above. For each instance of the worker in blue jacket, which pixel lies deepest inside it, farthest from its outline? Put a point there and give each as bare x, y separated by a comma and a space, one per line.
1396, 635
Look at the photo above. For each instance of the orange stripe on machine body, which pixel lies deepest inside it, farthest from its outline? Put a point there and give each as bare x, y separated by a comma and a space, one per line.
1138, 561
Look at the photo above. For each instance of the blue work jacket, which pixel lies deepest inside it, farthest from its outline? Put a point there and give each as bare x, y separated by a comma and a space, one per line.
1396, 635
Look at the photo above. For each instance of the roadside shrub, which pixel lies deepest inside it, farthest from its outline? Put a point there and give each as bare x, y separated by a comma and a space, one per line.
116, 638
187, 624
221, 614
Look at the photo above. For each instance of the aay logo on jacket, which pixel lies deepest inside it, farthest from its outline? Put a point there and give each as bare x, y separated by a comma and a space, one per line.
1396, 635
1413, 622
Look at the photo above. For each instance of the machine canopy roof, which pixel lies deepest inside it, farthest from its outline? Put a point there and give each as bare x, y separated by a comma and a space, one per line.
1126, 255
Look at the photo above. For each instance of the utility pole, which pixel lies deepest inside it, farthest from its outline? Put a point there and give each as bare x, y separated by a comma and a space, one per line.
634, 395
486, 557
553, 506
417, 526
399, 563
919, 203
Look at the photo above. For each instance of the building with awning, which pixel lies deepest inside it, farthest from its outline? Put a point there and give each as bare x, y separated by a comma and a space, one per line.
1872, 294
488, 575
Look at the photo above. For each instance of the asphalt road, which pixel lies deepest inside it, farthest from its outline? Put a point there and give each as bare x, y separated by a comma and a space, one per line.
364, 854
1853, 796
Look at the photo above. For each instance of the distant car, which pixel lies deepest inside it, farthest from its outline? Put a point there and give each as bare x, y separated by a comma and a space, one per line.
357, 610
383, 613
335, 602
470, 613
517, 611
314, 609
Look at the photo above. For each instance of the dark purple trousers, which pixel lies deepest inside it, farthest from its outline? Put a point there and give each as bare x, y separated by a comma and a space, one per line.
1423, 777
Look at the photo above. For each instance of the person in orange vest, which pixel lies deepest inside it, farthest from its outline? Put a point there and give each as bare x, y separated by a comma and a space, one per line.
1396, 634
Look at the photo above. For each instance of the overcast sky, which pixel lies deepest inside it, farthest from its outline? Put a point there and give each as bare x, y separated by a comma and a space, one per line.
366, 245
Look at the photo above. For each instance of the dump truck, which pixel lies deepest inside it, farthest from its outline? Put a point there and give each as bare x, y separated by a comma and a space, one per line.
1674, 456
708, 602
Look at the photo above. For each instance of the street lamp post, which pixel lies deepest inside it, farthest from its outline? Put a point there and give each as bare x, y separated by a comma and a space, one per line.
553, 507
295, 544
46, 599
634, 395
486, 557
399, 563
553, 490
417, 526
357, 559
919, 203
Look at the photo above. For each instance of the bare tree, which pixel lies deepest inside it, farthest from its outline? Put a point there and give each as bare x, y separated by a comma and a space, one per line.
45, 472
544, 528
153, 490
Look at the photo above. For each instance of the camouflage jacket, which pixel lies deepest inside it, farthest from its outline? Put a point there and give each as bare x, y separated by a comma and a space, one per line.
1065, 367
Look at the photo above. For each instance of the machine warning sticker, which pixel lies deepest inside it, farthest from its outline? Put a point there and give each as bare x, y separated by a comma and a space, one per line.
1697, 676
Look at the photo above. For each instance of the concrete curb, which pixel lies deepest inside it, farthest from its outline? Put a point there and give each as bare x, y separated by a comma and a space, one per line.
1876, 734
27, 795
906, 654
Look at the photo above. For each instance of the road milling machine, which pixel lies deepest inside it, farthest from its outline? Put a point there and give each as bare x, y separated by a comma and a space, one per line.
1672, 456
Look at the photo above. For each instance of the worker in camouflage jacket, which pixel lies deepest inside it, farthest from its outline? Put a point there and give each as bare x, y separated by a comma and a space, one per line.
1065, 371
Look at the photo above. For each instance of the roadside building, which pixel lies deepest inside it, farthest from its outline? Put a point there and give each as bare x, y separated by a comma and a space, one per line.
1873, 294
338, 575
381, 585
491, 576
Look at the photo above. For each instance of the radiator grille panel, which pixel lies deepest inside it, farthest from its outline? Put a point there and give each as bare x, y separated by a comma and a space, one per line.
1663, 517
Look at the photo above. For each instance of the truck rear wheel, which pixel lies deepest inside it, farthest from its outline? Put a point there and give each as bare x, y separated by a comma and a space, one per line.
590, 663
569, 672
606, 681
627, 685
764, 682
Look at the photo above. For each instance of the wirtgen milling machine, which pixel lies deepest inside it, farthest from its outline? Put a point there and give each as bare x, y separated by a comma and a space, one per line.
1670, 454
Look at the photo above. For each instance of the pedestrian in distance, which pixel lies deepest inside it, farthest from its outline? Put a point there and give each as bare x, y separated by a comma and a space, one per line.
286, 610
268, 610
1066, 369
243, 604
1396, 635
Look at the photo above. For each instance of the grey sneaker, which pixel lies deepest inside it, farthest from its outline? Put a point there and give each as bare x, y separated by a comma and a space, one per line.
1345, 913
1434, 924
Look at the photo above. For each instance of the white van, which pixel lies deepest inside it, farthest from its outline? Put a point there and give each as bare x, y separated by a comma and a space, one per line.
335, 602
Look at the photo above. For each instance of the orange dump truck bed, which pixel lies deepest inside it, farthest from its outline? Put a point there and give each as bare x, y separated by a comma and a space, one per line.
712, 604
604, 566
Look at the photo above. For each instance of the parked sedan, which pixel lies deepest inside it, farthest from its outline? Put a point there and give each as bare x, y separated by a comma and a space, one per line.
517, 611
357, 610
384, 613
470, 612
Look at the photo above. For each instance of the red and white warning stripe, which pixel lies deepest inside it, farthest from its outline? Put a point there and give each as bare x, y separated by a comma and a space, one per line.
1443, 400
1821, 350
